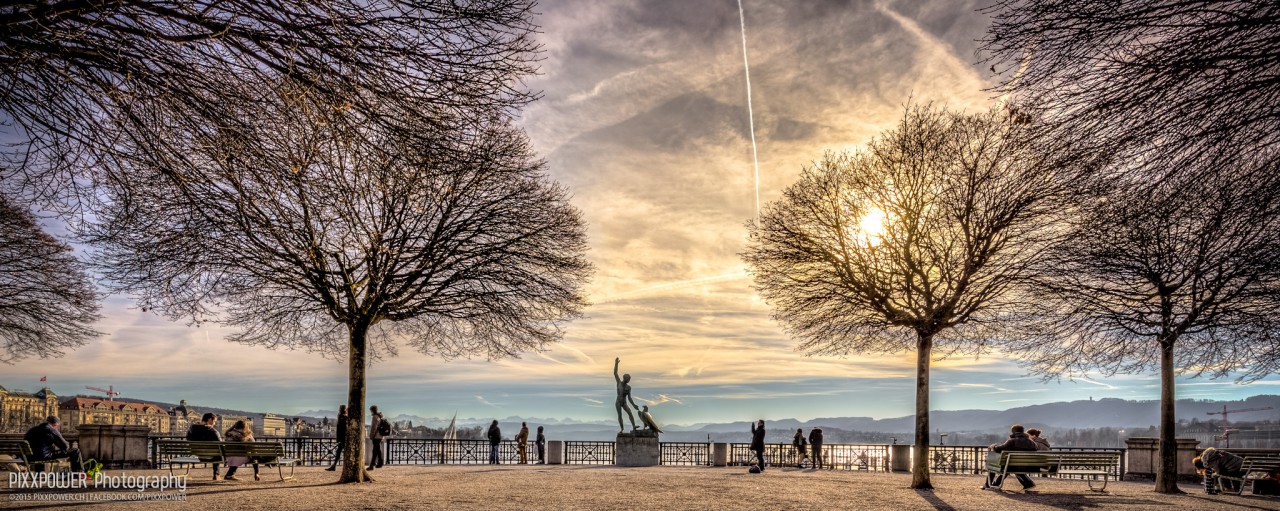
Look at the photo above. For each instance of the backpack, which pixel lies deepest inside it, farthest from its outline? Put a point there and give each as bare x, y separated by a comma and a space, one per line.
384, 428
755, 469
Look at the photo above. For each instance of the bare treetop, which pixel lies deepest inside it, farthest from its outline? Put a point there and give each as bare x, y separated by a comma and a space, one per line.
1152, 74
47, 304
75, 73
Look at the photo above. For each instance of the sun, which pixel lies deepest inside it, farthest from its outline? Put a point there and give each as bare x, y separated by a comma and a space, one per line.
872, 224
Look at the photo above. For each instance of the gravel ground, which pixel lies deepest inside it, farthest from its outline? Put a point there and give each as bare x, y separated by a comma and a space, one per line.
488, 488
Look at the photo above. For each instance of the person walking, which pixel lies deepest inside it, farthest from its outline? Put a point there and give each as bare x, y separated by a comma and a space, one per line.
757, 442
815, 441
801, 446
522, 443
205, 432
541, 442
375, 434
1018, 441
342, 437
495, 438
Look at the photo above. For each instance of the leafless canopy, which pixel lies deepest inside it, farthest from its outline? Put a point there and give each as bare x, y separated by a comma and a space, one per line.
965, 208
1191, 265
1164, 82
75, 74
310, 223
47, 303
926, 238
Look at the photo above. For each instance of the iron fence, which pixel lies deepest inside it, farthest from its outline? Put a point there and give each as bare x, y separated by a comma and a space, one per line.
684, 453
869, 457
588, 453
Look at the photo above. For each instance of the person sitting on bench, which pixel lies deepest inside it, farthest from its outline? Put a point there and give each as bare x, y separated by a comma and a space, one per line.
205, 432
1223, 463
1018, 441
47, 444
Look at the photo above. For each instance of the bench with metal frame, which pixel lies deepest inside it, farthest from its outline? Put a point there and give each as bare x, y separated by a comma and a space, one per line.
19, 453
1255, 467
188, 453
1067, 463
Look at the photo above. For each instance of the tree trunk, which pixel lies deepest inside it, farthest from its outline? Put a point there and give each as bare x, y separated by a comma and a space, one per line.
920, 450
353, 456
1167, 469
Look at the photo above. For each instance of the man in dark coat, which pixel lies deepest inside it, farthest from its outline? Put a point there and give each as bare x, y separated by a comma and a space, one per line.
47, 443
342, 437
1215, 462
757, 442
815, 441
205, 432
541, 442
495, 438
1018, 441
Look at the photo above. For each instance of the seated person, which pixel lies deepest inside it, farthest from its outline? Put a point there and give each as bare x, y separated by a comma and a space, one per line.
1214, 462
1018, 441
47, 444
205, 432
240, 433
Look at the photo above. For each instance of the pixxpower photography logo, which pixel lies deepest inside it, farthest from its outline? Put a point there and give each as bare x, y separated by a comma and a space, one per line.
94, 485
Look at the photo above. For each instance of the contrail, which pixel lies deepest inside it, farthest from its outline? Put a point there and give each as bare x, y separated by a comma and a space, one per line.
751, 117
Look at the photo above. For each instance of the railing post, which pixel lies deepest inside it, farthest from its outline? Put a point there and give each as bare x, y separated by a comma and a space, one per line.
720, 454
555, 452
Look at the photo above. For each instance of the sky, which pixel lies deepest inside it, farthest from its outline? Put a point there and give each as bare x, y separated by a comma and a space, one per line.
644, 117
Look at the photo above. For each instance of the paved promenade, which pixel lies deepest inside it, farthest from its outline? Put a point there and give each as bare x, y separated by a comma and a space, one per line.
505, 487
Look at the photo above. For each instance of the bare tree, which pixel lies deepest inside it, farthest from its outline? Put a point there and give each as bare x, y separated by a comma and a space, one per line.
74, 74
311, 228
47, 303
1182, 278
919, 242
1169, 85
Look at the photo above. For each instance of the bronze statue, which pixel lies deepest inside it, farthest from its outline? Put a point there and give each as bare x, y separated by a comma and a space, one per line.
624, 395
648, 420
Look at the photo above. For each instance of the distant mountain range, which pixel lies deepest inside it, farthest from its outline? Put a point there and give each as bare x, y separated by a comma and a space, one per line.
1109, 412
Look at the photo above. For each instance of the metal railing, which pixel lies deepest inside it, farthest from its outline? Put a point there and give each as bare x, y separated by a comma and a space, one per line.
869, 457
684, 453
588, 453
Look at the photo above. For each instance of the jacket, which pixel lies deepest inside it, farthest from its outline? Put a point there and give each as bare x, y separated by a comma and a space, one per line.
495, 435
523, 436
236, 435
202, 433
798, 442
1221, 462
1016, 442
541, 440
342, 428
1041, 444
815, 436
757, 437
46, 442
374, 421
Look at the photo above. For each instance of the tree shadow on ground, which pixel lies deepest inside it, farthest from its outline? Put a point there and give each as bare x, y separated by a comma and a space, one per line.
1078, 501
934, 501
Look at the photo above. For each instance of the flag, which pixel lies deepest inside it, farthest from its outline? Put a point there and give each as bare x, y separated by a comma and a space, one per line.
43, 378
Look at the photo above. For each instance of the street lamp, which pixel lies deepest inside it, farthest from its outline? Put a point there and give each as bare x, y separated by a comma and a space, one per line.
942, 439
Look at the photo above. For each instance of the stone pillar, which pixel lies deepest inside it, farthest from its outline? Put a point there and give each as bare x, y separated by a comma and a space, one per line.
1143, 456
900, 457
720, 454
114, 445
637, 450
555, 452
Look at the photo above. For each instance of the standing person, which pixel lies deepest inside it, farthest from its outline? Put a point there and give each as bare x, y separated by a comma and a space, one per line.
47, 444
240, 433
1018, 441
375, 434
815, 440
757, 442
495, 438
802, 448
541, 441
624, 396
205, 432
342, 437
522, 443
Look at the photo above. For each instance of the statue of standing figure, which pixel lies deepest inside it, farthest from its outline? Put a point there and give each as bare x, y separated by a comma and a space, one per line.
624, 396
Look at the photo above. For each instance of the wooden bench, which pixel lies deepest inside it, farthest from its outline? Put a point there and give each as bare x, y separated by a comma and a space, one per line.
18, 452
184, 452
1255, 467
1081, 463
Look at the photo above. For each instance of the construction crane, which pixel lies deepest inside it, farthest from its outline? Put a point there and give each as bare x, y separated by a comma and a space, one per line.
1226, 426
110, 391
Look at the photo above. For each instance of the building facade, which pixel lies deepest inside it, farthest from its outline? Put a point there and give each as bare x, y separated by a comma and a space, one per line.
87, 410
20, 410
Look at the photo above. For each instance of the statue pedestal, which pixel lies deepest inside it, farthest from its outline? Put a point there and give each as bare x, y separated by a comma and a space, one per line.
637, 449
